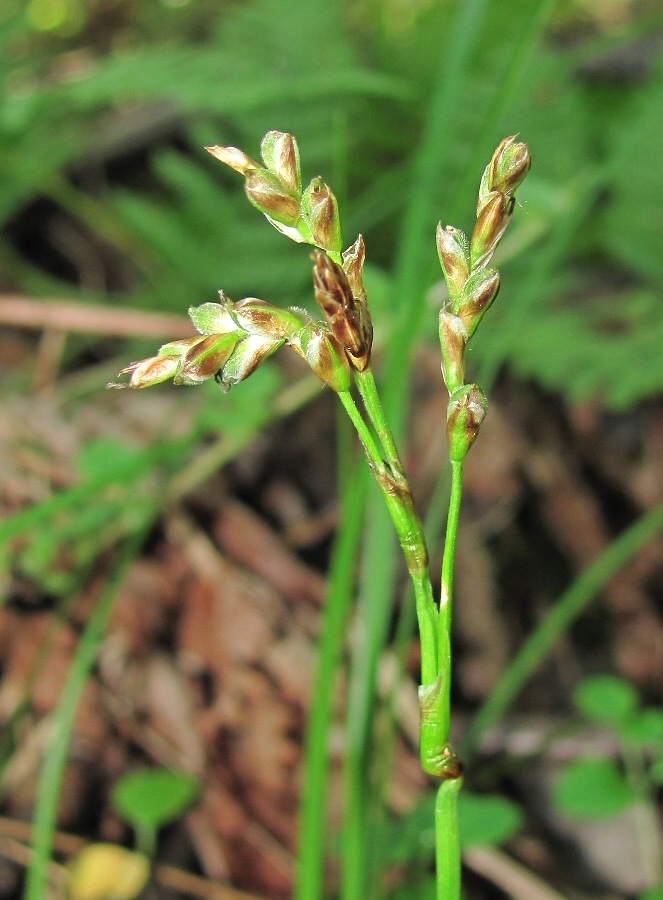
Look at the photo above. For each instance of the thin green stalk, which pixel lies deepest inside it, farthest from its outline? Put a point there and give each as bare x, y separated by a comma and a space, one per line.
365, 434
563, 613
448, 561
437, 755
400, 504
55, 756
357, 866
369, 394
646, 820
346, 448
447, 840
358, 774
405, 628
413, 539
508, 83
312, 829
436, 690
436, 669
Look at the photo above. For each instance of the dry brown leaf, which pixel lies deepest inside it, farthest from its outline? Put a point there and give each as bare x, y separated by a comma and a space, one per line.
246, 537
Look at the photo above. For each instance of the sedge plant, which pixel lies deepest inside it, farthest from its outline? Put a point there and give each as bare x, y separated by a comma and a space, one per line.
235, 337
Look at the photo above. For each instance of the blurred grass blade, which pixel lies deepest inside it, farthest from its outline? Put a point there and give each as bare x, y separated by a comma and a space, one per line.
564, 612
55, 754
313, 825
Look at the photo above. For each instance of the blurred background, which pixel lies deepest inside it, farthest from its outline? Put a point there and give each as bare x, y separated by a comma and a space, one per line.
165, 555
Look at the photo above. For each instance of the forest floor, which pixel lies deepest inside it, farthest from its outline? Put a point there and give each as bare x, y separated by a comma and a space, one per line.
210, 657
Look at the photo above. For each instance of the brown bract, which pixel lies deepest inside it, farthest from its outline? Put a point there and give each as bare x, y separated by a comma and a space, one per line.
320, 210
509, 165
149, 371
452, 251
465, 413
261, 318
346, 314
453, 338
266, 193
281, 156
235, 158
490, 226
325, 354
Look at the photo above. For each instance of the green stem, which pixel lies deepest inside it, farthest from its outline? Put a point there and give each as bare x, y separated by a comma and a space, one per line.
311, 840
646, 821
448, 561
371, 398
145, 839
437, 755
414, 542
447, 840
400, 504
358, 851
365, 434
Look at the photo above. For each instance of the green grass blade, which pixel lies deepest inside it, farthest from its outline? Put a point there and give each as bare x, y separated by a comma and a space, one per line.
55, 756
122, 472
375, 600
564, 612
312, 827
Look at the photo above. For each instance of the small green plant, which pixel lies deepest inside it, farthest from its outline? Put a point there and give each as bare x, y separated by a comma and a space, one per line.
596, 787
236, 337
148, 799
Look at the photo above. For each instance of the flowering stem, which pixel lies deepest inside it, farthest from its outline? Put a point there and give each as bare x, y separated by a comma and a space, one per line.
365, 434
446, 806
369, 394
447, 842
448, 560
400, 504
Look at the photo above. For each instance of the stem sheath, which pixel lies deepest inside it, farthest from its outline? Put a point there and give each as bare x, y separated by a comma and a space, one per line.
447, 840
